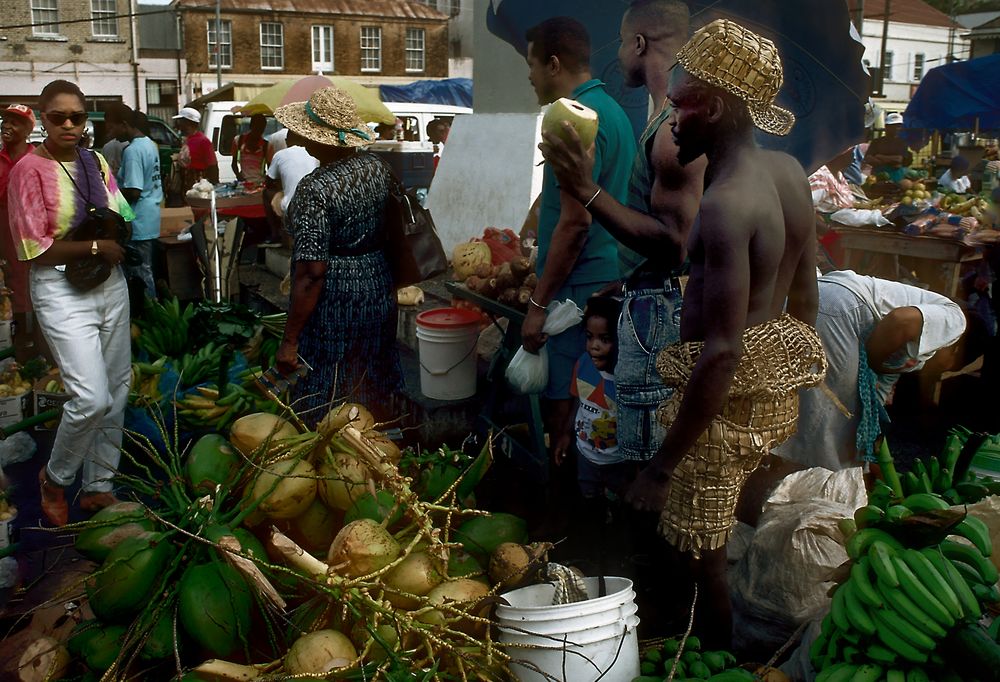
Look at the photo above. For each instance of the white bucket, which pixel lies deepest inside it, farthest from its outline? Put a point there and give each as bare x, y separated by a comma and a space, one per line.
5, 530
447, 340
579, 642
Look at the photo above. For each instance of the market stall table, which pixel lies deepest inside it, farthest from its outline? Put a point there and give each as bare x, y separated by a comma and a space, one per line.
499, 391
936, 261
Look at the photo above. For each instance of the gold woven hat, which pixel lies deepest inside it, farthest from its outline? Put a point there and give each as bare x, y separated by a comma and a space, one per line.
742, 63
329, 117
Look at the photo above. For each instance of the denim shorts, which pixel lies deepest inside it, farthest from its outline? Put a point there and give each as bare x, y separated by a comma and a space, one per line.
604, 480
566, 348
650, 321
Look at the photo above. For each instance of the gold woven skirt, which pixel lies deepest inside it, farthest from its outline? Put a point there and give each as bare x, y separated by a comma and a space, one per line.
779, 357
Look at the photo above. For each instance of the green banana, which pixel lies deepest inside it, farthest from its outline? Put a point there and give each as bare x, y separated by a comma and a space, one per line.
968, 573
917, 675
880, 495
919, 593
838, 609
920, 469
977, 532
818, 647
905, 629
896, 643
922, 502
880, 654
910, 611
857, 613
863, 586
943, 481
952, 449
895, 675
880, 556
952, 496
944, 566
933, 468
847, 527
869, 672
840, 672
911, 484
994, 629
987, 594
897, 512
858, 544
971, 491
970, 555
869, 515
934, 581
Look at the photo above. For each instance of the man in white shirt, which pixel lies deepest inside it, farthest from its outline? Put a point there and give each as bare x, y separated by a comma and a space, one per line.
956, 178
872, 331
288, 166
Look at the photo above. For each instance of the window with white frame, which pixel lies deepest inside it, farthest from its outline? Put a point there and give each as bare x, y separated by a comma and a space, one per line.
45, 17
371, 48
322, 45
223, 46
887, 67
103, 18
414, 49
272, 45
918, 66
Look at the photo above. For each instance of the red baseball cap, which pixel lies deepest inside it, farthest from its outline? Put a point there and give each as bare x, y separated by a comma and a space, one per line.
20, 110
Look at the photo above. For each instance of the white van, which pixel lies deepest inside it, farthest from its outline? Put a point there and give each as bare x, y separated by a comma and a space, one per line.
222, 126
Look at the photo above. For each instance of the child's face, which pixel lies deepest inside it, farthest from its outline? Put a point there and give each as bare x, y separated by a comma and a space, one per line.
601, 343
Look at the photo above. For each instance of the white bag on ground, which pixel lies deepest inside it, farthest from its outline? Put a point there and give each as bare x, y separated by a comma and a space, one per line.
782, 579
529, 372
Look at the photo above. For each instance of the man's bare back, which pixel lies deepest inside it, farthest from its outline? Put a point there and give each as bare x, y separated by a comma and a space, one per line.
763, 204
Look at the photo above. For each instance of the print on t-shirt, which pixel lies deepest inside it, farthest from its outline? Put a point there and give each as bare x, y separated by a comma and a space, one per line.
596, 423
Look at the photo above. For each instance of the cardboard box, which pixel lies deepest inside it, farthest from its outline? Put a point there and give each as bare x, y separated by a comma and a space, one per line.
174, 220
47, 400
14, 409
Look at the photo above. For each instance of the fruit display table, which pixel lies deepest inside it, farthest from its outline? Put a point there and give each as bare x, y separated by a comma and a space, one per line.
499, 392
881, 253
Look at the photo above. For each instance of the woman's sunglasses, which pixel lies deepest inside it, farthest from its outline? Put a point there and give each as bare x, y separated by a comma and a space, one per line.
58, 118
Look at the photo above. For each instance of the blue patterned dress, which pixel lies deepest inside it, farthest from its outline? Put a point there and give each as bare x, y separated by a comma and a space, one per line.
336, 216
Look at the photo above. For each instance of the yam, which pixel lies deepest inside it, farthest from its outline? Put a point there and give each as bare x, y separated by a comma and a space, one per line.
475, 284
523, 297
506, 278
521, 267
531, 281
508, 297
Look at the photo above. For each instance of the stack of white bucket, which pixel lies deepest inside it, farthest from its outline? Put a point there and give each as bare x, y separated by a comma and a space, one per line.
579, 642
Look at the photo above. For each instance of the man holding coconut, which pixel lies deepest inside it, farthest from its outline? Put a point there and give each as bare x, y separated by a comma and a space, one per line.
576, 255
741, 358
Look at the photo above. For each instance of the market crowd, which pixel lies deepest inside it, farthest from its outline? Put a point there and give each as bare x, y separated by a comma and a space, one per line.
706, 332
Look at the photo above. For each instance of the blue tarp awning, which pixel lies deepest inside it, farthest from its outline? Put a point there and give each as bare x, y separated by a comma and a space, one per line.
455, 91
954, 96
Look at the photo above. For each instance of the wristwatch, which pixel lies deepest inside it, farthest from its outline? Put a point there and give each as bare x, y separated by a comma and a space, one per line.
93, 248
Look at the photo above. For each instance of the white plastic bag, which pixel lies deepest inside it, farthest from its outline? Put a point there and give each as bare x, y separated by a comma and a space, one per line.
529, 372
782, 579
859, 217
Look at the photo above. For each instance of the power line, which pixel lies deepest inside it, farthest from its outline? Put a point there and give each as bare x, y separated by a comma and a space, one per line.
127, 15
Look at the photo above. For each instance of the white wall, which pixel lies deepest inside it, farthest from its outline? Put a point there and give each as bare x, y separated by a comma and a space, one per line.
26, 80
157, 70
904, 42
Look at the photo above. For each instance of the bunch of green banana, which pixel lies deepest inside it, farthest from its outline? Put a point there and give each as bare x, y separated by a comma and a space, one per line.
203, 408
938, 474
146, 382
201, 366
163, 328
693, 664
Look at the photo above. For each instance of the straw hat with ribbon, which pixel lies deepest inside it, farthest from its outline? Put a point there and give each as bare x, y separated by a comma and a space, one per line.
330, 117
742, 63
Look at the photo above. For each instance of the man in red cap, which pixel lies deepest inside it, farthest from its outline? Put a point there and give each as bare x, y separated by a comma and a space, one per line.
18, 122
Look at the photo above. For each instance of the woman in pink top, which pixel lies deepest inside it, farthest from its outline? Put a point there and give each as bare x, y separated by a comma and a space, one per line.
52, 191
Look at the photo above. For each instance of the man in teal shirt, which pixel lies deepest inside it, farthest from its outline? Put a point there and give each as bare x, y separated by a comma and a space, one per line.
576, 255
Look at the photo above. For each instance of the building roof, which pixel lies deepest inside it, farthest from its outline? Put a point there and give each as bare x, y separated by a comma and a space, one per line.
987, 31
905, 12
391, 9
975, 19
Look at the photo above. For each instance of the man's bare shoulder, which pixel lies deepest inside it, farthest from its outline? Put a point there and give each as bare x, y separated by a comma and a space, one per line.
727, 207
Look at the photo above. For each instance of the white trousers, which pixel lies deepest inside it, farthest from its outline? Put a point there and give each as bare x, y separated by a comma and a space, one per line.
88, 333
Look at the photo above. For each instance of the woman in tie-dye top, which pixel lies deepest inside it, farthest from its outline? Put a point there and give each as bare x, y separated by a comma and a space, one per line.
87, 331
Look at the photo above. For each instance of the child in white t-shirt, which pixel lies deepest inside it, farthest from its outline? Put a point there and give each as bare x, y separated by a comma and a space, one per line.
601, 470
956, 178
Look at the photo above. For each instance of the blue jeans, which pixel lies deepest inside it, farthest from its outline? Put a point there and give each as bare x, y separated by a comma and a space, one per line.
604, 480
139, 263
650, 321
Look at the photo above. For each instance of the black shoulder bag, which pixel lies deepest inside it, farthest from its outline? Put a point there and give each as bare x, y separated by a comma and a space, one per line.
99, 223
413, 248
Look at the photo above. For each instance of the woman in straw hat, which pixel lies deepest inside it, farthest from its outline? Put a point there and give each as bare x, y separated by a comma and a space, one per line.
342, 317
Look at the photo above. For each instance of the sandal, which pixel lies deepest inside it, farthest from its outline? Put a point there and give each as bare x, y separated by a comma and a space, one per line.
54, 506
93, 502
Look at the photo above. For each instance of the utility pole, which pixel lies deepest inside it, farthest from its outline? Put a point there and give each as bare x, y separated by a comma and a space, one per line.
885, 37
218, 44
859, 17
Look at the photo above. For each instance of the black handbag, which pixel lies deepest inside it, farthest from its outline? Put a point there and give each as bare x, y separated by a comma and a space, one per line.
413, 248
100, 223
